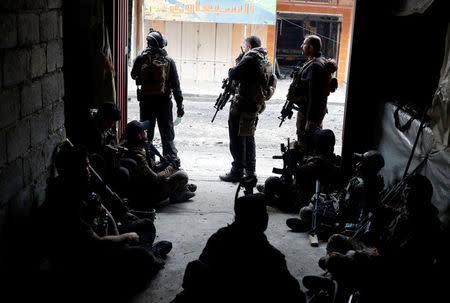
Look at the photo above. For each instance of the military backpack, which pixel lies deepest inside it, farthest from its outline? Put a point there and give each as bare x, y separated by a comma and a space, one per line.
154, 74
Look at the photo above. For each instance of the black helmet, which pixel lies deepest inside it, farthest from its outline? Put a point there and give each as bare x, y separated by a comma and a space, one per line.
371, 159
155, 38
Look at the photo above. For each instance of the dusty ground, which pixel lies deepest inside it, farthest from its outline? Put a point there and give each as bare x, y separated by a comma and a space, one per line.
204, 152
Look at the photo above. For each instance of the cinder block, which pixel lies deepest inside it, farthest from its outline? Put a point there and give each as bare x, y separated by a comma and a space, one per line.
28, 29
11, 180
12, 5
9, 107
18, 140
39, 126
58, 118
50, 89
49, 25
34, 4
31, 98
54, 55
33, 165
54, 3
8, 28
38, 61
15, 67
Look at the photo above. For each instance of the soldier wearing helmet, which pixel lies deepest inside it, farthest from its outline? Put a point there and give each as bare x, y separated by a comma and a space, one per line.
157, 79
360, 196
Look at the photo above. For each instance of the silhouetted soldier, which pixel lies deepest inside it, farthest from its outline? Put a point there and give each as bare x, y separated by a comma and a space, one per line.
156, 74
238, 264
255, 84
151, 186
309, 90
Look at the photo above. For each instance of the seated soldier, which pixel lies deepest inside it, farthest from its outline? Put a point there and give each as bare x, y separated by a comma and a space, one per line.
105, 155
407, 246
152, 186
83, 239
322, 165
238, 264
352, 204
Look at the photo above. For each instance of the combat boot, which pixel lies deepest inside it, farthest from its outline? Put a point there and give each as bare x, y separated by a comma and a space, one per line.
162, 248
298, 225
231, 177
181, 196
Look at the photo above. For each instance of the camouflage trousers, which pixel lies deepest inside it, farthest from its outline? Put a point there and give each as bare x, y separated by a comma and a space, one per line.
175, 182
304, 138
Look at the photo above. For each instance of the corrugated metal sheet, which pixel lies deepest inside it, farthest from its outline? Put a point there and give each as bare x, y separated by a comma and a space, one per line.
120, 57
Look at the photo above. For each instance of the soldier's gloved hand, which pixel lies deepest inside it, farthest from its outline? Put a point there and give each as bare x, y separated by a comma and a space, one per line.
180, 111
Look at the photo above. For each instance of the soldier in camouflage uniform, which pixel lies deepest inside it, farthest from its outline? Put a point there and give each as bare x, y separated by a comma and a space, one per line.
321, 165
309, 90
360, 196
406, 246
255, 83
152, 186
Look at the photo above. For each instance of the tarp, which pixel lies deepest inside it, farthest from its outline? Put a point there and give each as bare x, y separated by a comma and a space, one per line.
396, 146
216, 11
408, 7
440, 110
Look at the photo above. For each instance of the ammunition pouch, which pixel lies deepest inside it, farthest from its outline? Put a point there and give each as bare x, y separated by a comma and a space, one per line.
247, 123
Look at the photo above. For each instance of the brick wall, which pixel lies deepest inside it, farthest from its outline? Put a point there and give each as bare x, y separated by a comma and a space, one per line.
31, 104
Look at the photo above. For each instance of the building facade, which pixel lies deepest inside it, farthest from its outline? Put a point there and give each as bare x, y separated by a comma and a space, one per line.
204, 51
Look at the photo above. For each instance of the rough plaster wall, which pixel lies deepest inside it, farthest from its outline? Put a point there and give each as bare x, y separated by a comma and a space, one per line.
31, 105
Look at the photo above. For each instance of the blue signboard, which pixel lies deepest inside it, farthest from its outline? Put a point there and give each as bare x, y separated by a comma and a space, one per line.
216, 11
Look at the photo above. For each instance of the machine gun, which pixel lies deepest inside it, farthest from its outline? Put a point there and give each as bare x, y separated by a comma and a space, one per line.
117, 203
289, 157
313, 240
164, 160
224, 96
287, 111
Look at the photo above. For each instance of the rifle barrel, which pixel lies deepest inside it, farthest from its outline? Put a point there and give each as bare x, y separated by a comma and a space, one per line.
214, 117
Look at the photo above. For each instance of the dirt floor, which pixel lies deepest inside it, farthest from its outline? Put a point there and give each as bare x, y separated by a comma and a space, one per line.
204, 153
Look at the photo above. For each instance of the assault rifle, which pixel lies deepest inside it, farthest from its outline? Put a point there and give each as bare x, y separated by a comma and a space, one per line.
116, 202
389, 197
224, 96
289, 157
313, 240
164, 160
287, 111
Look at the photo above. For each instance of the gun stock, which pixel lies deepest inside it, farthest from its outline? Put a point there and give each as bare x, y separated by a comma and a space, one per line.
313, 240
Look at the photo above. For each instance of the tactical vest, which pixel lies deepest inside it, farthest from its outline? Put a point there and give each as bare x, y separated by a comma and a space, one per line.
260, 91
299, 87
154, 74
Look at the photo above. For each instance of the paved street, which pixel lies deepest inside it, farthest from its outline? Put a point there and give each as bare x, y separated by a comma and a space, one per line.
203, 146
204, 152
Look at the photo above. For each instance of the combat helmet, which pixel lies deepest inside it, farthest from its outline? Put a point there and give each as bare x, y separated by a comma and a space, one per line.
155, 38
371, 159
323, 141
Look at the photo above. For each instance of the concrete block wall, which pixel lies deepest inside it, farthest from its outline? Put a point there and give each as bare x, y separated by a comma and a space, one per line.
31, 105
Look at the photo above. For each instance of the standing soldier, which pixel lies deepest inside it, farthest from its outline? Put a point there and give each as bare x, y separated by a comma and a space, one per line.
157, 75
255, 84
309, 90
